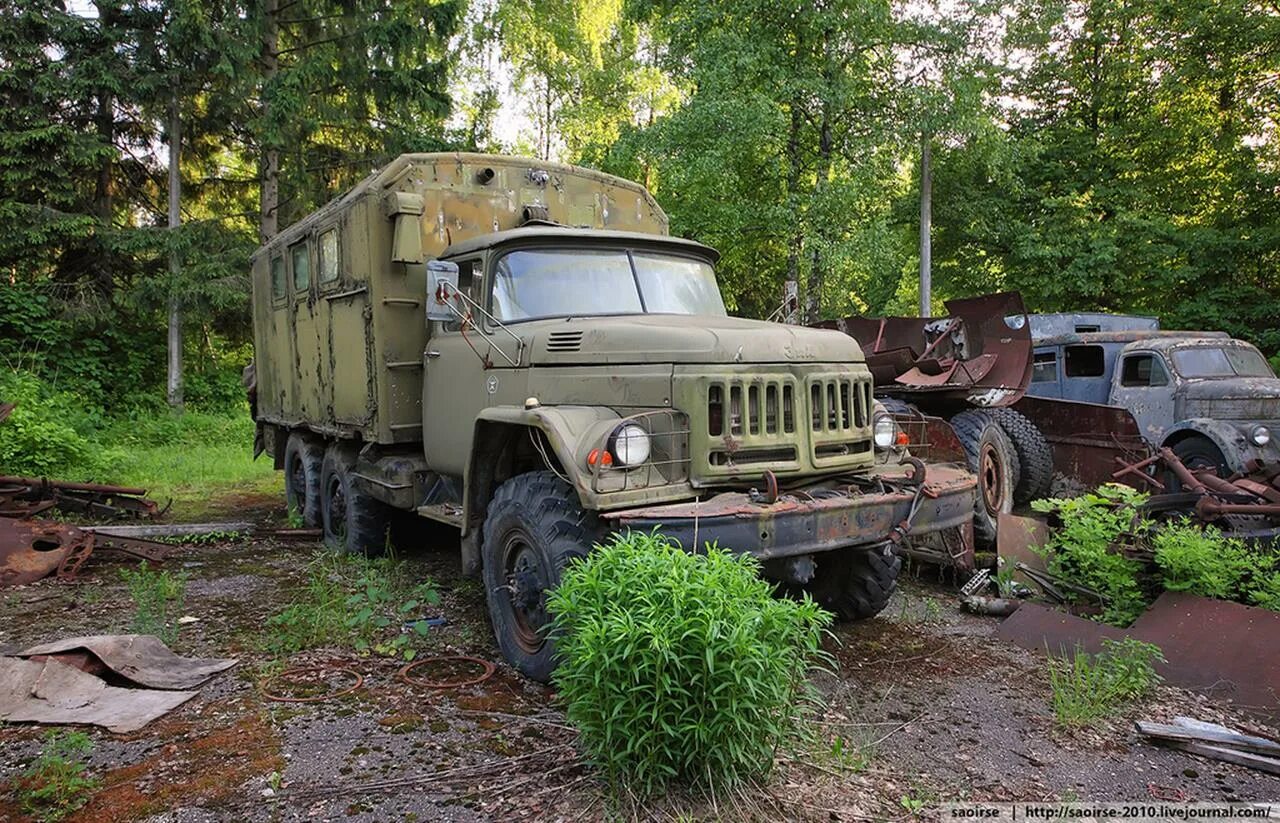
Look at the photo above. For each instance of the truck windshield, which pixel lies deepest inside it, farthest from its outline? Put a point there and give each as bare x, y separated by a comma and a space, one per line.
535, 283
1225, 361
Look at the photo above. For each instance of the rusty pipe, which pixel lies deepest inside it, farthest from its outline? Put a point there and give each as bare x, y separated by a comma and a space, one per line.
1180, 471
46, 483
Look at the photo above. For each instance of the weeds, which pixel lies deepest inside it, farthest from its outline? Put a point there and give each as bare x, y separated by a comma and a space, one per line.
55, 785
681, 668
158, 598
1087, 688
366, 603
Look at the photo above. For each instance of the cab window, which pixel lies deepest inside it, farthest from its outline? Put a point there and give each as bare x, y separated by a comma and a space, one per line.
330, 256
1143, 370
1044, 368
300, 262
277, 278
1085, 361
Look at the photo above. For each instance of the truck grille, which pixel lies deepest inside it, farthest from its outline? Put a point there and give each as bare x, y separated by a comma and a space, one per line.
1235, 408
764, 422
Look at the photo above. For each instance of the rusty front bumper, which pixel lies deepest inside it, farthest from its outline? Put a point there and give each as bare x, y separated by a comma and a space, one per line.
805, 522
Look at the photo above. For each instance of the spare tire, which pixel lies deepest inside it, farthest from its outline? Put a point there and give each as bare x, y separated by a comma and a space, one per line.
992, 458
1035, 455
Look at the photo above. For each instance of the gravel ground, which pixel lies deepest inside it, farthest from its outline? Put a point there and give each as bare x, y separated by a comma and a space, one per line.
926, 706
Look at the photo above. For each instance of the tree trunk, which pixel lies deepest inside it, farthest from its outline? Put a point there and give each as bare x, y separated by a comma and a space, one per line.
794, 169
817, 275
269, 222
926, 226
175, 218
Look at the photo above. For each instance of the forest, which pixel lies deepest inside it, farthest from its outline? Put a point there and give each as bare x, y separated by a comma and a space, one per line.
1092, 154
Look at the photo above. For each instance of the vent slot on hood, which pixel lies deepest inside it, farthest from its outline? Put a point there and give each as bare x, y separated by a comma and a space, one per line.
564, 341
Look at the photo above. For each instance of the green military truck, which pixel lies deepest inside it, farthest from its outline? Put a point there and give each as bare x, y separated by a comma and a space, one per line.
517, 348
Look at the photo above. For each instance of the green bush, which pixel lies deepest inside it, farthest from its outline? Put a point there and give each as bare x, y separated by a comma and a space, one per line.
678, 667
1196, 560
1082, 548
1089, 687
50, 432
158, 598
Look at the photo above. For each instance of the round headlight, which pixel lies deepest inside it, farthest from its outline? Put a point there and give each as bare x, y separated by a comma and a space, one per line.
630, 445
1261, 436
885, 431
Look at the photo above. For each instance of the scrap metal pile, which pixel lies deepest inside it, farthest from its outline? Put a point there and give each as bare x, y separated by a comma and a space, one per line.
1244, 505
32, 549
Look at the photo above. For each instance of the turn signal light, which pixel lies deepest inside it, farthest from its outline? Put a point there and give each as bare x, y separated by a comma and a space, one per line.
902, 438
600, 458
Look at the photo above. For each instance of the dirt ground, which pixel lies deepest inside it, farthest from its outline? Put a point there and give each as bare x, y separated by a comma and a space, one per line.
926, 706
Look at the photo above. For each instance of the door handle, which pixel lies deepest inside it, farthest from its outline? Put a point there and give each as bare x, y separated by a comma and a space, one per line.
433, 354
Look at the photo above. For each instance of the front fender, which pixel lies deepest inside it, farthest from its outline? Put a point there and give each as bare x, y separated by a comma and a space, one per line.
1231, 439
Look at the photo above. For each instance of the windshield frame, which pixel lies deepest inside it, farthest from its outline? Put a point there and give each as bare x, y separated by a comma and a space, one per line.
1224, 346
630, 250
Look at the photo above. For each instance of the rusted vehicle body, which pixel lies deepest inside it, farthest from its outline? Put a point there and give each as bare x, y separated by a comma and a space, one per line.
518, 349
1213, 400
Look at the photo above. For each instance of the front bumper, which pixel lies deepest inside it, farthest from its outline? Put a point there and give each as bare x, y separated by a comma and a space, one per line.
814, 521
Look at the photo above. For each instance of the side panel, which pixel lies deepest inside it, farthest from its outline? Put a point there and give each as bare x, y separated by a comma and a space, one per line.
309, 353
351, 391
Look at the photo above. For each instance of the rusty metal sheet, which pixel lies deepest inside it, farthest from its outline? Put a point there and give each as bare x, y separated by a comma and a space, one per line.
1226, 649
1017, 538
979, 355
31, 550
1086, 437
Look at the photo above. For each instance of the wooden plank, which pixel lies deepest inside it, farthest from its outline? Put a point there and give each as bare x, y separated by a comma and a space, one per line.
170, 529
1203, 734
1253, 761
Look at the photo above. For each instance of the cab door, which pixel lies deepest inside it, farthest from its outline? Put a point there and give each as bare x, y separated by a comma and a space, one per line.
453, 388
1142, 384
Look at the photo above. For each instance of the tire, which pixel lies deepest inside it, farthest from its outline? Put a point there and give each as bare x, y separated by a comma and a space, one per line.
303, 464
1197, 453
353, 522
534, 528
855, 584
990, 456
1035, 455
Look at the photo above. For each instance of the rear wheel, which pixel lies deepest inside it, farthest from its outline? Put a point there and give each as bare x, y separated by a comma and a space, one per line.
353, 521
1035, 456
534, 528
991, 457
855, 584
303, 464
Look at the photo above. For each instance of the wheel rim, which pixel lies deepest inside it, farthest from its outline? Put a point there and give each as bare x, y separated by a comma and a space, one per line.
337, 509
992, 478
527, 582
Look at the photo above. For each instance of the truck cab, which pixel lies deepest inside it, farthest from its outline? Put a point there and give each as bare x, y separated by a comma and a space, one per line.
1212, 399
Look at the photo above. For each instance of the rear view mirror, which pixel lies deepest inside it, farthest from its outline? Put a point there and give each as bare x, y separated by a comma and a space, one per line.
442, 290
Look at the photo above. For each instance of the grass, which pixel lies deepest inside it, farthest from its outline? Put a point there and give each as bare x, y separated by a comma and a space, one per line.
193, 459
55, 785
1087, 688
158, 598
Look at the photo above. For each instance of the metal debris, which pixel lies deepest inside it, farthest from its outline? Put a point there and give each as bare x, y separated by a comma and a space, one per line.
32, 550
357, 682
29, 496
486, 671
1215, 742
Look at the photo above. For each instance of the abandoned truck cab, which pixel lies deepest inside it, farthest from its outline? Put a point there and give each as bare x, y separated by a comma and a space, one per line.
1214, 400
466, 355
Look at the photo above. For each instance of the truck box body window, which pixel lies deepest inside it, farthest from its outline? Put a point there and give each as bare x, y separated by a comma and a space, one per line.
1143, 370
1213, 361
329, 257
1085, 361
532, 284
277, 278
1045, 367
301, 264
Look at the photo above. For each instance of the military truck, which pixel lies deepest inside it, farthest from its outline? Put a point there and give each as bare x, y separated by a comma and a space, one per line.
1213, 400
519, 349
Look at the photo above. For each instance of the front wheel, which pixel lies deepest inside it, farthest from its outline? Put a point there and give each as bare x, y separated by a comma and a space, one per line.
534, 528
855, 584
1197, 454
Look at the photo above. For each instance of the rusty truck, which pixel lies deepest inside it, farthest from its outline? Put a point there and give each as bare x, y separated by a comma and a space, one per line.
519, 349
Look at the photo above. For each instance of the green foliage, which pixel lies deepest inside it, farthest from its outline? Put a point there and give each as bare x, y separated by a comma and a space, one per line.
678, 667
367, 603
1087, 688
50, 432
1194, 560
1082, 549
55, 785
158, 598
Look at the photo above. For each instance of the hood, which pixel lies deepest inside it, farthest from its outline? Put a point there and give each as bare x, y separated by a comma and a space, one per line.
657, 338
1234, 388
